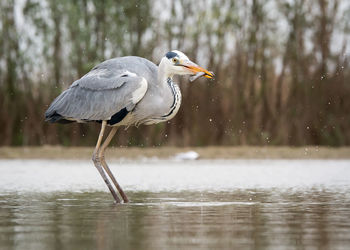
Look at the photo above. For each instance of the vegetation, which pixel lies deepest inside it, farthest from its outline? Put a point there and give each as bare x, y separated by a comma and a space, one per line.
282, 68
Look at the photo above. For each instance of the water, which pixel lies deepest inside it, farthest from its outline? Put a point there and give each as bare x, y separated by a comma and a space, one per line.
268, 204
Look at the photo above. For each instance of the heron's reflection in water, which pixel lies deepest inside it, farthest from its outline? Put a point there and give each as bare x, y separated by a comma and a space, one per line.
249, 219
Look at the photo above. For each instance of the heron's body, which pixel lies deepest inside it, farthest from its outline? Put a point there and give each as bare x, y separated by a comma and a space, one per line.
123, 91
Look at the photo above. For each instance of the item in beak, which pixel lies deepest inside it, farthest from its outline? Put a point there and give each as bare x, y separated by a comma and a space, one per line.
196, 76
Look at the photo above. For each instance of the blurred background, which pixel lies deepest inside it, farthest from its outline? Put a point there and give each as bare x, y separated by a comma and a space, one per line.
282, 68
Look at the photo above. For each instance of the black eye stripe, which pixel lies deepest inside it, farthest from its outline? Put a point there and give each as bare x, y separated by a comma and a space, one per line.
171, 54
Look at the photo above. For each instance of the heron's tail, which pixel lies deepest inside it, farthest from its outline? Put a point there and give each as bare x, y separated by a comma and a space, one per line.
52, 114
55, 117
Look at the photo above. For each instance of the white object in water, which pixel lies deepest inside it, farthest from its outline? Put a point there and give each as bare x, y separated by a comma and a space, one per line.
190, 155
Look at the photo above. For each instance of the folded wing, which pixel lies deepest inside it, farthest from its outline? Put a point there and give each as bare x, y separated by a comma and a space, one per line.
99, 95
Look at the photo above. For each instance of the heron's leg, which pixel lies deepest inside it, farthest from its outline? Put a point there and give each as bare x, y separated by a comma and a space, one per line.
97, 161
105, 166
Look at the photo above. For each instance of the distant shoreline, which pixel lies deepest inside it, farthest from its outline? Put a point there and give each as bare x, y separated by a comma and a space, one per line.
211, 152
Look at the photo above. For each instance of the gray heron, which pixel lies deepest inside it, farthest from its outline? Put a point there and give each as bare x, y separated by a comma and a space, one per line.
123, 91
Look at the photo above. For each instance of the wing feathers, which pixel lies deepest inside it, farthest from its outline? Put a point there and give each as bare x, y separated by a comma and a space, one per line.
99, 95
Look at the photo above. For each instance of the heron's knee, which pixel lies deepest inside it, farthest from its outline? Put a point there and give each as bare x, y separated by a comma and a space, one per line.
95, 157
101, 155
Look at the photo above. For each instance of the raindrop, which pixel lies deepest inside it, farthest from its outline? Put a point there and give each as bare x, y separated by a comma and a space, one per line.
210, 119
307, 127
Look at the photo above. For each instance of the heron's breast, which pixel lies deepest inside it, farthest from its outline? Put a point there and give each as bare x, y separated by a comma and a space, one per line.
168, 112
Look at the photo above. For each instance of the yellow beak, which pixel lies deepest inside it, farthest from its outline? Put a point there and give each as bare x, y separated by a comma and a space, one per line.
194, 68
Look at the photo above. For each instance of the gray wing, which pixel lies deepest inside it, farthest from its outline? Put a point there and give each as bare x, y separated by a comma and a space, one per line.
99, 94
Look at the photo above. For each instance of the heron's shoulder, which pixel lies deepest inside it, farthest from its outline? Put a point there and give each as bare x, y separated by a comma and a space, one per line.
127, 62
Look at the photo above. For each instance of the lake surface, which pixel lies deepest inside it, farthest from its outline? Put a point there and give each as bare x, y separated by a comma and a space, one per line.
236, 204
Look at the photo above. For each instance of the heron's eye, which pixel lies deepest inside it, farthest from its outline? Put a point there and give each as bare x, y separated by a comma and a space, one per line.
175, 60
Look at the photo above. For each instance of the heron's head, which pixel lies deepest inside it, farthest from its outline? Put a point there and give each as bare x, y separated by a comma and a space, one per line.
177, 63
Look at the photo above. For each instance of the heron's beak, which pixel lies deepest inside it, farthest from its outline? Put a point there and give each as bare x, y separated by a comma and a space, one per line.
194, 68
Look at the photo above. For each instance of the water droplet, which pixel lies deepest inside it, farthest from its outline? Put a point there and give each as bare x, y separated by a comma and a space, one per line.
210, 120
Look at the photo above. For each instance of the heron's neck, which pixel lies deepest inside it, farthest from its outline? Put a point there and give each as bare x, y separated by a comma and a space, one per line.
163, 74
